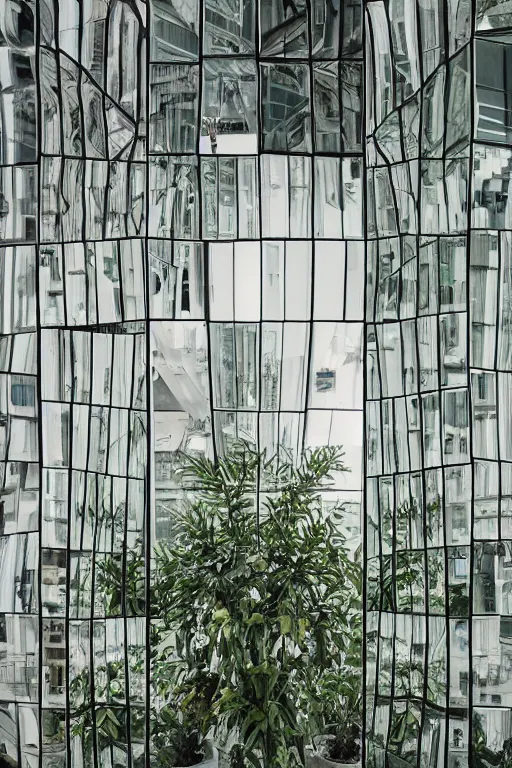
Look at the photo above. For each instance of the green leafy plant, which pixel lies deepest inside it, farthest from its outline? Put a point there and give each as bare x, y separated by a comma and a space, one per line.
255, 608
182, 715
105, 719
339, 700
484, 757
338, 697
176, 739
258, 586
121, 580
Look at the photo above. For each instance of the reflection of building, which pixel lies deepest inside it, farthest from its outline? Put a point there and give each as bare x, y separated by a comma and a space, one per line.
175, 30
229, 26
54, 662
18, 658
181, 417
229, 98
17, 105
177, 286
284, 28
17, 270
230, 198
160, 292
53, 582
55, 506
18, 497
286, 119
439, 384
175, 206
8, 734
174, 107
18, 137
492, 208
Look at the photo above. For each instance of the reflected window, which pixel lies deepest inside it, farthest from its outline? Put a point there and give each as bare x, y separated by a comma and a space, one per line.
22, 393
494, 90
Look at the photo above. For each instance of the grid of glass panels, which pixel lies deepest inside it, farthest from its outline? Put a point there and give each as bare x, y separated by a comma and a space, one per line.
182, 265
92, 336
255, 234
438, 384
24, 600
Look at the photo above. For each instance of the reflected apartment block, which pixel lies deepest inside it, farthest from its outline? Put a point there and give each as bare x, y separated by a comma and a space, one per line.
182, 266
438, 387
194, 250
19, 407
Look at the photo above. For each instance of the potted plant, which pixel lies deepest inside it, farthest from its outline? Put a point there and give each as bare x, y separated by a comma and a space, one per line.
258, 588
252, 603
339, 743
178, 742
178, 720
175, 725
337, 709
182, 715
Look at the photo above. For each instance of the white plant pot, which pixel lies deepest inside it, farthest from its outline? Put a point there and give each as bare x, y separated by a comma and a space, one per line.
211, 757
316, 760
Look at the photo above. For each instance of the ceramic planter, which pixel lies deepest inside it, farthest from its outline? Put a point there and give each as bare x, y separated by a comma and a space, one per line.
316, 760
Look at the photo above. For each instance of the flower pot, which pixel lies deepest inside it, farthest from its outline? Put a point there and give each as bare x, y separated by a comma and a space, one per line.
316, 760
211, 757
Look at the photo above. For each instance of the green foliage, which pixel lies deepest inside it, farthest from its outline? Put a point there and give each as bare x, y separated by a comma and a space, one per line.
401, 586
121, 580
484, 757
256, 626
339, 705
266, 601
110, 727
176, 739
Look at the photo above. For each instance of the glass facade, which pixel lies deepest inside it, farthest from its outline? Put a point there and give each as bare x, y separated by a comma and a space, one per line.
438, 384
181, 266
276, 221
